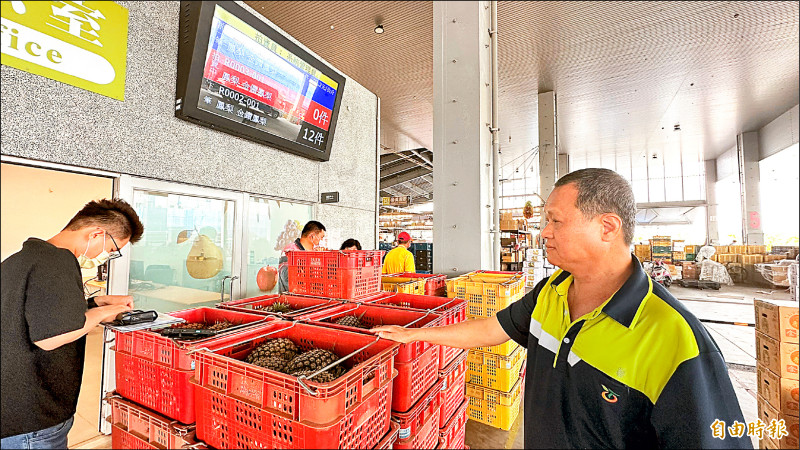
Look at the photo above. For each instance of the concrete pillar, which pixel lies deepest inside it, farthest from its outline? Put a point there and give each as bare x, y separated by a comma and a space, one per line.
712, 230
548, 143
548, 146
563, 164
461, 137
750, 179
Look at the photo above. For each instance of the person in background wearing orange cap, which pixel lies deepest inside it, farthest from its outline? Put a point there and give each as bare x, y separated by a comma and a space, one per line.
399, 259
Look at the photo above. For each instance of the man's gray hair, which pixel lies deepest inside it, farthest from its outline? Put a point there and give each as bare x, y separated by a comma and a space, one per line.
603, 191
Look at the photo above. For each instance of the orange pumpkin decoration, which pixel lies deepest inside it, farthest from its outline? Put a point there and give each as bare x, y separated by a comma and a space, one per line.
267, 278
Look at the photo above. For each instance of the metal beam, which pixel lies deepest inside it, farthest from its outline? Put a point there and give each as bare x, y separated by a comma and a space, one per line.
398, 168
390, 158
405, 176
688, 203
424, 158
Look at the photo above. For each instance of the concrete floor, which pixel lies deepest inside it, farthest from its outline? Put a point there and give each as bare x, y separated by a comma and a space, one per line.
733, 304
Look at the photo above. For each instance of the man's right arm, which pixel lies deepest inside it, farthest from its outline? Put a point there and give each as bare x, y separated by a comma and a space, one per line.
469, 334
510, 323
93, 318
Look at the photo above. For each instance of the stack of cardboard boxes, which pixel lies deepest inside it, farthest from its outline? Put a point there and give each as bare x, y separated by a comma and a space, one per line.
777, 368
508, 223
533, 267
661, 248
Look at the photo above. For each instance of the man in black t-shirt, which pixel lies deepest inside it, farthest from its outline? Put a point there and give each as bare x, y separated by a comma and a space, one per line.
613, 359
45, 318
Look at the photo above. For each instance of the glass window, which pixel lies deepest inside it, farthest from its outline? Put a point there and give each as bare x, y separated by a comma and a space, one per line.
185, 252
271, 225
729, 209
780, 197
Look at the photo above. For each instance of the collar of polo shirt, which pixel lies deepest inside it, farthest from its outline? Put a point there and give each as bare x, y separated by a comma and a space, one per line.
626, 304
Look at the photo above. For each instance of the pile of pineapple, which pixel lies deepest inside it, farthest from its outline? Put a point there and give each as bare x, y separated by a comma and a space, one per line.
282, 355
216, 326
352, 321
277, 307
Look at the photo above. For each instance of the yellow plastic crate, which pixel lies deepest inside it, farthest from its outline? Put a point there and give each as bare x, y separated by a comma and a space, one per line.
494, 408
494, 371
487, 293
403, 285
504, 349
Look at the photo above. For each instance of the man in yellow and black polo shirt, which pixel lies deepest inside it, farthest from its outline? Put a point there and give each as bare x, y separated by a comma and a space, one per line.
614, 360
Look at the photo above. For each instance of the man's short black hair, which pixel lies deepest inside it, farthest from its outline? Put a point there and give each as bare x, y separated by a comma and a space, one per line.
603, 191
350, 243
312, 227
117, 217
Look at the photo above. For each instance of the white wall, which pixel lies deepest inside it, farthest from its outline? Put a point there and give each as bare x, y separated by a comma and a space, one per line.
39, 202
779, 134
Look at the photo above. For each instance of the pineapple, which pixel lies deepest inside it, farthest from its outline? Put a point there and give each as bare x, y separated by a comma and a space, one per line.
352, 321
280, 308
220, 325
311, 360
283, 348
275, 363
322, 377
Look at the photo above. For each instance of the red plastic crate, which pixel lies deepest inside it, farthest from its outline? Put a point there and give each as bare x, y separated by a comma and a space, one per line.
226, 422
419, 427
411, 421
173, 353
453, 310
221, 370
453, 433
134, 426
373, 315
335, 274
157, 387
154, 370
435, 284
453, 387
388, 441
301, 304
414, 379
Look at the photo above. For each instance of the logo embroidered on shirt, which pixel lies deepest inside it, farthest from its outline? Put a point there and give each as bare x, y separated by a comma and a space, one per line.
609, 395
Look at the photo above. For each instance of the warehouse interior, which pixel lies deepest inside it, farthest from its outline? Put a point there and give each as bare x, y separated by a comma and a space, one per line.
455, 119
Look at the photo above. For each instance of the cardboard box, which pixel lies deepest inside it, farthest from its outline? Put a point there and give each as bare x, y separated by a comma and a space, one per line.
737, 249
768, 443
721, 249
777, 319
779, 357
508, 224
749, 260
756, 249
781, 393
505, 215
766, 413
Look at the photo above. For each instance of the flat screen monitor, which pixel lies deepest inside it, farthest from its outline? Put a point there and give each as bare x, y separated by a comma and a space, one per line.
239, 75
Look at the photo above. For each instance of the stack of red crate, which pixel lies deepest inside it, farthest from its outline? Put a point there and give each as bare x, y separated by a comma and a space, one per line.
152, 381
438, 418
350, 275
417, 362
240, 405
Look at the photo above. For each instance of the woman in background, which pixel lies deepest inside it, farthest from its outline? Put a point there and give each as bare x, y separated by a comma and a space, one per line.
350, 244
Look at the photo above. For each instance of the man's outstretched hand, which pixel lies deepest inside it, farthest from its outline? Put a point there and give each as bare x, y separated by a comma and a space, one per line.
395, 333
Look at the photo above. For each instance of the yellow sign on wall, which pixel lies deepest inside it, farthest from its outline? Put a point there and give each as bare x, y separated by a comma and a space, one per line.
82, 43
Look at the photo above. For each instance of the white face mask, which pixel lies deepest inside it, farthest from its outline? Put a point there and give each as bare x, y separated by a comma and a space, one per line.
91, 263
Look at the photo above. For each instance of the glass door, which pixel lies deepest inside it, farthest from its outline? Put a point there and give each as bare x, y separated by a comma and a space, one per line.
270, 226
189, 254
